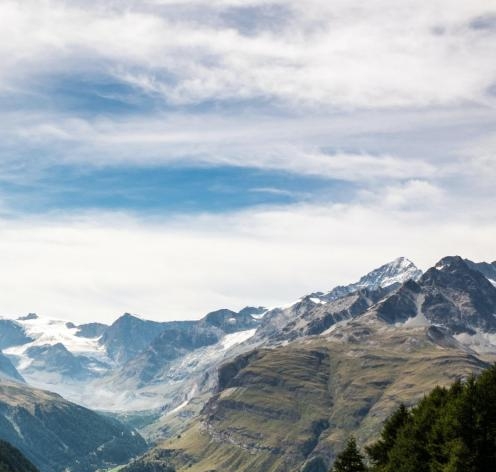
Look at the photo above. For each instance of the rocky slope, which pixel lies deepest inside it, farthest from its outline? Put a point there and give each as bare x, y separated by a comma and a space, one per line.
487, 269
450, 294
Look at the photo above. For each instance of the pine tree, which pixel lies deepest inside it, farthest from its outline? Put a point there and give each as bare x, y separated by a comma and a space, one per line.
379, 451
350, 459
450, 430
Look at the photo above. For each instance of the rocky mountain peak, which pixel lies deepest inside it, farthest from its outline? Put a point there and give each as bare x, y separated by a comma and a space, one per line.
398, 271
451, 263
450, 294
392, 274
485, 268
453, 271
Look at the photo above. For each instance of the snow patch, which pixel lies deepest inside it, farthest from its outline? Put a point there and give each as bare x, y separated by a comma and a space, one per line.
317, 301
178, 408
230, 340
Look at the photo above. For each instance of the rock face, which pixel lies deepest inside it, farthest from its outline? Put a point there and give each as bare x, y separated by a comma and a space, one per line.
450, 294
307, 318
130, 336
57, 435
57, 358
488, 270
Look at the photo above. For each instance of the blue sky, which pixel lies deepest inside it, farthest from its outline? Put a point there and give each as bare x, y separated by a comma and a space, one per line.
168, 157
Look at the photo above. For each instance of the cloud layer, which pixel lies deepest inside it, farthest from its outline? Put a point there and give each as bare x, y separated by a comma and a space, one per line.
102, 265
341, 53
366, 129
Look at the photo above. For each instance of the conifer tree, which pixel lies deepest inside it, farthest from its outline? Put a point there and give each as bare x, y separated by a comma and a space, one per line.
350, 459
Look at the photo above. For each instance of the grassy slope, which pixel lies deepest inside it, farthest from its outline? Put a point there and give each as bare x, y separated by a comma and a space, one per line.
268, 419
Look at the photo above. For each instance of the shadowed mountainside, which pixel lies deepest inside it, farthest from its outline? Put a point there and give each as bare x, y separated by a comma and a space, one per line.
55, 434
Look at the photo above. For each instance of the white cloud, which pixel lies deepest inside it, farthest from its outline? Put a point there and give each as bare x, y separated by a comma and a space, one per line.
342, 53
96, 266
412, 195
285, 144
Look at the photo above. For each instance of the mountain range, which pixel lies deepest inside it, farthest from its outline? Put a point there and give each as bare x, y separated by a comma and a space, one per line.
259, 389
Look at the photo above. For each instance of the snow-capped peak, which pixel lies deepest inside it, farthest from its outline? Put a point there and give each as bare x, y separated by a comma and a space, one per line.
43, 332
398, 271
395, 272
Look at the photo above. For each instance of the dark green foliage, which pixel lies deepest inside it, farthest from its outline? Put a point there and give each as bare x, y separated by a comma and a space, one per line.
380, 450
11, 460
450, 430
350, 459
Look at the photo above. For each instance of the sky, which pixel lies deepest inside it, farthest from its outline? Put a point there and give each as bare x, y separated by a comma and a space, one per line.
171, 157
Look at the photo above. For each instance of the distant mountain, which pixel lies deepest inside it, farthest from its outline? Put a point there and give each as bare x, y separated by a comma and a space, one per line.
392, 274
170, 344
91, 330
129, 335
52, 353
112, 367
229, 321
176, 361
12, 333
160, 375
450, 294
57, 358
12, 460
8, 371
57, 435
318, 311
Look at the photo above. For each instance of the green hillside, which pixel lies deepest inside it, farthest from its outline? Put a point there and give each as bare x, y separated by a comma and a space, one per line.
293, 407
